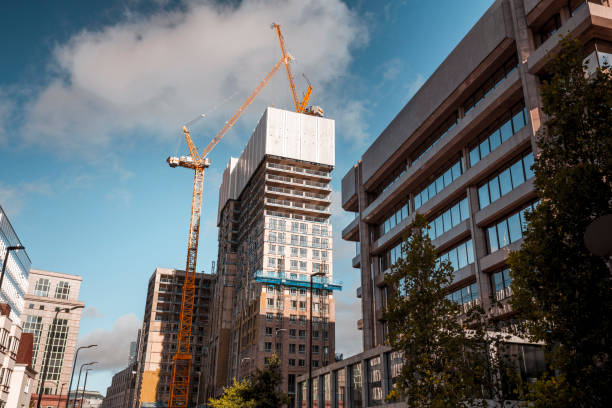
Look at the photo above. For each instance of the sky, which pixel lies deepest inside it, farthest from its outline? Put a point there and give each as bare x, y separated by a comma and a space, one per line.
93, 96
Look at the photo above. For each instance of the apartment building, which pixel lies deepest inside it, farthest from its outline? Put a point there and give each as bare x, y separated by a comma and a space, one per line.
15, 283
120, 394
48, 291
460, 153
158, 336
274, 233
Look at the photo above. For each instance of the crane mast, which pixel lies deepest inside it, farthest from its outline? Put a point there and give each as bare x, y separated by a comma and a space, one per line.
179, 386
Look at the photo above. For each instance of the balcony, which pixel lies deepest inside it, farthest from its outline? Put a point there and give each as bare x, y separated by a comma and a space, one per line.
356, 262
351, 231
301, 194
304, 207
297, 279
591, 20
292, 181
324, 175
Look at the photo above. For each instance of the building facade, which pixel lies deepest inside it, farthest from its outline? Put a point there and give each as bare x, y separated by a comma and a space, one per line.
15, 283
16, 373
274, 233
460, 152
120, 394
48, 291
158, 336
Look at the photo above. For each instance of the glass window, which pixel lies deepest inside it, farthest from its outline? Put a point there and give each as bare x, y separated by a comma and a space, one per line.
528, 162
431, 190
493, 241
456, 217
439, 184
340, 388
514, 228
518, 121
439, 227
505, 182
454, 259
495, 139
356, 386
463, 209
448, 222
483, 196
474, 156
470, 251
502, 234
518, 177
417, 201
41, 287
462, 255
484, 148
494, 189
448, 177
506, 131
456, 170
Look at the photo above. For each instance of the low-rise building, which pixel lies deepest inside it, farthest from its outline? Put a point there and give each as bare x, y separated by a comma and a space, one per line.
48, 291
120, 394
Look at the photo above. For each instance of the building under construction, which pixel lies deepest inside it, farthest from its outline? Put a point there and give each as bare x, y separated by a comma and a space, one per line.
274, 233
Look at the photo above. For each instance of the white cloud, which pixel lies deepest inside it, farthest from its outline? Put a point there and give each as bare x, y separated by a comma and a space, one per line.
151, 74
14, 197
351, 123
113, 345
391, 69
91, 313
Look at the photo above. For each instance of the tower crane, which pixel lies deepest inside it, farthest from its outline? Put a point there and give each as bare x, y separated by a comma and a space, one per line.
179, 387
300, 106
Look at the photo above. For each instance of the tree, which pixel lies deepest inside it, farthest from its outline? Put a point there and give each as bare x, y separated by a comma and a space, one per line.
562, 291
233, 396
445, 364
258, 391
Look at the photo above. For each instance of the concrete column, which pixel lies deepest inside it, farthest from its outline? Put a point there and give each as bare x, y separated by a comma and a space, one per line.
378, 305
525, 46
479, 242
364, 382
367, 296
386, 377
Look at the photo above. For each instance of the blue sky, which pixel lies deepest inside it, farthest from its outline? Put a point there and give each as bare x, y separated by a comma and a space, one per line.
93, 96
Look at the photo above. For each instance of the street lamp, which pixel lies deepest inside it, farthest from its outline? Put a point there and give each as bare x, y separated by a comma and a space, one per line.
310, 342
48, 352
87, 370
76, 393
76, 356
60, 395
6, 256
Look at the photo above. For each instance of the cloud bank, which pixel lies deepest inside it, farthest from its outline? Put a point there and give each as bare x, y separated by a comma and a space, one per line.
150, 74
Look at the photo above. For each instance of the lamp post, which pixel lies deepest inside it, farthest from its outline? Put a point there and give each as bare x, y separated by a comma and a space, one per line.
76, 393
76, 356
60, 395
310, 342
48, 352
6, 256
87, 370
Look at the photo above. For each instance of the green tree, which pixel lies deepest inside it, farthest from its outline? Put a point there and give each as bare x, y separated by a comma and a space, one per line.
446, 364
259, 391
265, 387
233, 396
562, 292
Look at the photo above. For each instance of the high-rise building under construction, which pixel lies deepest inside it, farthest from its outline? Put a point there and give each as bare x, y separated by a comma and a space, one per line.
274, 234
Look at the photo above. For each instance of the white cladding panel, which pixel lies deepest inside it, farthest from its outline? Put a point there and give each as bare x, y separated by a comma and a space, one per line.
279, 133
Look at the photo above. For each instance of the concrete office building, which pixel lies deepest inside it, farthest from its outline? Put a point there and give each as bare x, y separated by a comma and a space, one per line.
48, 291
274, 232
15, 284
460, 153
158, 336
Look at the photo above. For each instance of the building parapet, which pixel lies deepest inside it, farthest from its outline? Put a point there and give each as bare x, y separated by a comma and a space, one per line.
297, 279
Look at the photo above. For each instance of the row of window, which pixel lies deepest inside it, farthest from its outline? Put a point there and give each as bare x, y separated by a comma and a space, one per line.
279, 263
281, 225
490, 83
459, 256
514, 121
449, 219
300, 240
294, 291
464, 295
506, 180
439, 133
443, 181
272, 303
297, 252
508, 230
400, 213
42, 286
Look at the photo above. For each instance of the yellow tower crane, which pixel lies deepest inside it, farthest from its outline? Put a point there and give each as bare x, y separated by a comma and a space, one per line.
179, 387
299, 106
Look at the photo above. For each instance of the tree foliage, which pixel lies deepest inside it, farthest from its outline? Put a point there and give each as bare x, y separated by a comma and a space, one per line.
259, 391
562, 292
445, 363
